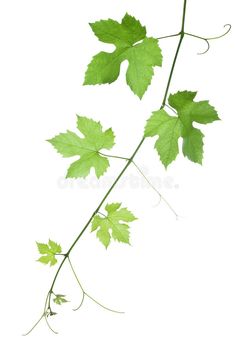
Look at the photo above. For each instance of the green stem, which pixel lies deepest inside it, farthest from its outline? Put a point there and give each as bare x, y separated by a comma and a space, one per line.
183, 16
176, 55
129, 161
106, 195
47, 311
171, 35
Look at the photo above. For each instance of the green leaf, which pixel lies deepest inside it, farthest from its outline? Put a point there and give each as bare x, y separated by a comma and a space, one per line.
167, 144
113, 225
67, 144
142, 57
49, 251
88, 148
193, 145
180, 99
189, 111
171, 128
128, 32
60, 299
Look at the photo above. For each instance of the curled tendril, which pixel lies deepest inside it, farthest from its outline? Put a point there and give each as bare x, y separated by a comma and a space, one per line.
47, 322
81, 303
208, 47
87, 295
45, 316
207, 39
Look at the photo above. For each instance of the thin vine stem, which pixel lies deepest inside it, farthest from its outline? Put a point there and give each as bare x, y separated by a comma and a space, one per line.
182, 34
91, 218
130, 159
47, 310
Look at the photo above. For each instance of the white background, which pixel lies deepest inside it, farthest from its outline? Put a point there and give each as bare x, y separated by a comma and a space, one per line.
177, 281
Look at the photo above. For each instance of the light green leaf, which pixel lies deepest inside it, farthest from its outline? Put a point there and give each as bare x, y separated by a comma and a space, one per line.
155, 122
134, 28
142, 57
171, 128
88, 148
113, 225
82, 167
193, 145
60, 299
49, 251
167, 144
189, 111
55, 248
104, 68
203, 113
67, 144
128, 32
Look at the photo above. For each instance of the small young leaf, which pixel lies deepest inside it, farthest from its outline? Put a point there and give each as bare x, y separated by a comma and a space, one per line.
142, 57
60, 299
49, 251
88, 148
113, 225
171, 128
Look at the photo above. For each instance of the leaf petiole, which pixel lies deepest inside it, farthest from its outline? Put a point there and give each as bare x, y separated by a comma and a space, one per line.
169, 36
115, 156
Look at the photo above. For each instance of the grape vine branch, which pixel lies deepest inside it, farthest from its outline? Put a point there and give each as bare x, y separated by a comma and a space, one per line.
161, 123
